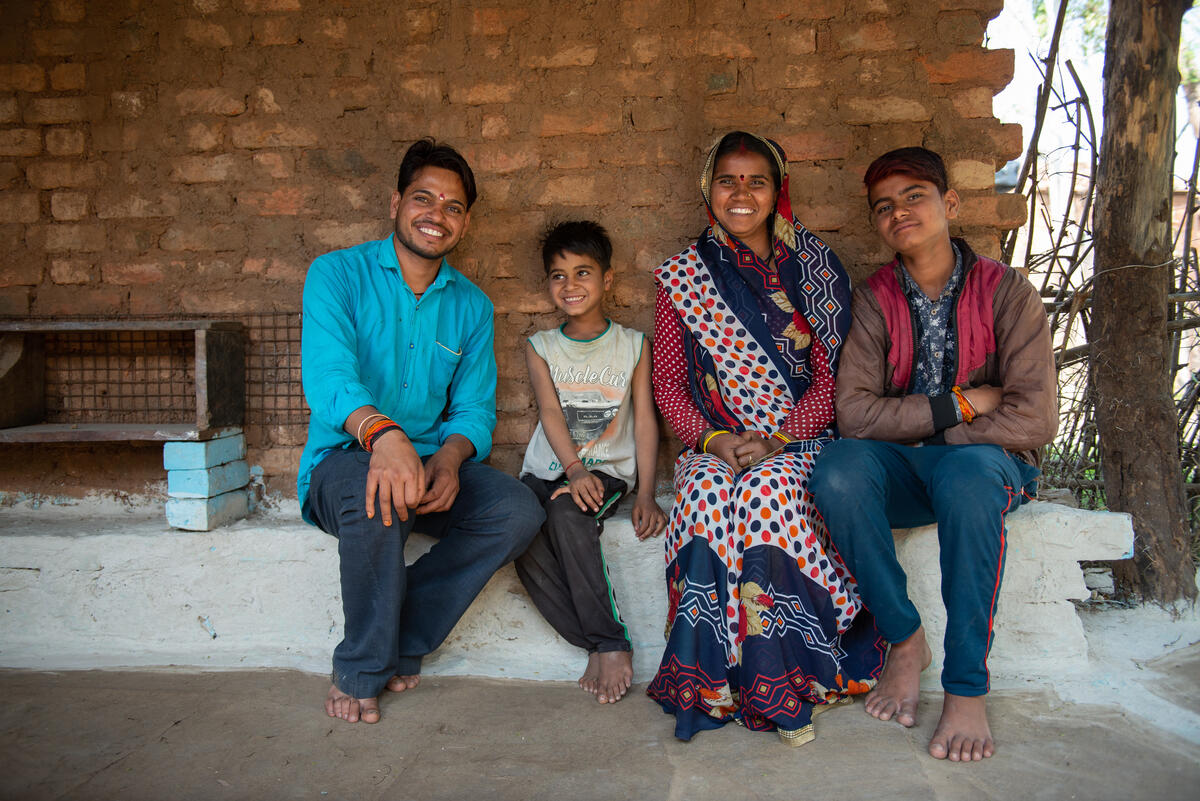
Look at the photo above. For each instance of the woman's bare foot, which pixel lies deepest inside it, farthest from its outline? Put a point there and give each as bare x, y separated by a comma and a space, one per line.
399, 684
963, 734
616, 675
899, 687
590, 680
349, 708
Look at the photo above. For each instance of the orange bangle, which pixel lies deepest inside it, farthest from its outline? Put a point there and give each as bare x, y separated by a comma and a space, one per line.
965, 407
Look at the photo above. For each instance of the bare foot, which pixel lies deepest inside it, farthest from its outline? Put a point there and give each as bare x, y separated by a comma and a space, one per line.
590, 680
899, 687
963, 734
399, 684
349, 708
616, 674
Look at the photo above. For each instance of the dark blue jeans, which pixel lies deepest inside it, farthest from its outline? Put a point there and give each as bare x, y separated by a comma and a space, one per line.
395, 614
865, 488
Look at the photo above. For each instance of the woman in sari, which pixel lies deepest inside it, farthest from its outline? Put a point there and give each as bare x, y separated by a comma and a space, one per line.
764, 625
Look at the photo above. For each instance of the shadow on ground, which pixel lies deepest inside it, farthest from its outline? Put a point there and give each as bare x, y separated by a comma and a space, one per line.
262, 735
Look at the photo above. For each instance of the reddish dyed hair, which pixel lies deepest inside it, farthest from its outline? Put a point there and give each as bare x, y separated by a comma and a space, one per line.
920, 163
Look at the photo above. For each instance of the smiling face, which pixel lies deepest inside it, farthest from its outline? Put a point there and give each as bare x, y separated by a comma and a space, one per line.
910, 214
431, 215
577, 285
743, 197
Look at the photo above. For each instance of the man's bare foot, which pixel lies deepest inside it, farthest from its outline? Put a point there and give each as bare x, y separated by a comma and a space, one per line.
616, 675
963, 734
399, 684
899, 687
350, 709
590, 680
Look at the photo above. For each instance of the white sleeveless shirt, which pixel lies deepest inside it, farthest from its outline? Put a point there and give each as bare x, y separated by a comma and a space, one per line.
594, 382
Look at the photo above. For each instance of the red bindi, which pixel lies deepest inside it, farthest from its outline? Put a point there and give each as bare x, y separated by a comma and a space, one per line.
441, 197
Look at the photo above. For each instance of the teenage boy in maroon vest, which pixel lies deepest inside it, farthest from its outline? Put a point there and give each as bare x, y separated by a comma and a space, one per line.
946, 392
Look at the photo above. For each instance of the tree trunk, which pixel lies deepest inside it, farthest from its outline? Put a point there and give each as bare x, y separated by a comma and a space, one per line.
1139, 441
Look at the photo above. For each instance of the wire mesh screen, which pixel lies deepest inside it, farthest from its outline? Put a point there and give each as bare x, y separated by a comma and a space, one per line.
120, 377
149, 376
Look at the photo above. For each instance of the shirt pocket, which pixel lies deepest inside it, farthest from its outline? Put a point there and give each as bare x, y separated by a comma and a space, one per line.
444, 364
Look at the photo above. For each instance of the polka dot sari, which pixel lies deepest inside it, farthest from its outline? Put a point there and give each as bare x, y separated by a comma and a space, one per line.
765, 626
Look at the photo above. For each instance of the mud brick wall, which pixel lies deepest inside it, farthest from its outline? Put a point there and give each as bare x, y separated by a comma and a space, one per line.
193, 156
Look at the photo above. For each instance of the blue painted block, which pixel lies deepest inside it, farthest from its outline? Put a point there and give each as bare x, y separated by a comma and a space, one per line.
205, 514
209, 482
199, 455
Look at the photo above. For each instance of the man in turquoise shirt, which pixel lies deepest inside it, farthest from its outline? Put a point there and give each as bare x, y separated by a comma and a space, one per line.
400, 376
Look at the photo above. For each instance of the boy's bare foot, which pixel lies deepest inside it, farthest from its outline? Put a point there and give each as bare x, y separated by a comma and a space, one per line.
616, 675
963, 734
349, 708
590, 680
899, 686
399, 684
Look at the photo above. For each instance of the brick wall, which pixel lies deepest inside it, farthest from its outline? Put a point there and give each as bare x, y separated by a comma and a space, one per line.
193, 156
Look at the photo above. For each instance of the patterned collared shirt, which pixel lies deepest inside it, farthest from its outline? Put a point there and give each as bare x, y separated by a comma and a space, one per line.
933, 373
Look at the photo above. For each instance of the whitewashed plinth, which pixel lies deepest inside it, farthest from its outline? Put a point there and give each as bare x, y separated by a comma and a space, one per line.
106, 585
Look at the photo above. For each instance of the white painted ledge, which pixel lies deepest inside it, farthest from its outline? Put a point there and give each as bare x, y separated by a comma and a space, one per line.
101, 584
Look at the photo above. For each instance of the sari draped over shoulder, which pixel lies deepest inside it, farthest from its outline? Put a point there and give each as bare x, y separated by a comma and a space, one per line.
764, 626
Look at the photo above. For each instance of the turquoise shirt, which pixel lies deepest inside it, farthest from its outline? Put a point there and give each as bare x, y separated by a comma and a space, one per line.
367, 340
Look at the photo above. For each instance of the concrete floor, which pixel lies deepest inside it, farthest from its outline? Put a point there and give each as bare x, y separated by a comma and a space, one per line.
262, 735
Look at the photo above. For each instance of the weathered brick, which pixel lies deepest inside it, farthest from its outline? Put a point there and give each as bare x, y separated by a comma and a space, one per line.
264, 101
68, 77
59, 42
25, 271
1005, 211
570, 190
334, 29
260, 134
275, 269
285, 201
656, 114
19, 207
502, 157
274, 31
206, 34
225, 102
22, 78
823, 144
9, 173
1008, 141
339, 234
68, 10
872, 37
68, 205
132, 273
976, 66
64, 141
960, 28
883, 109
973, 103
15, 301
422, 88
496, 21
117, 137
55, 174
123, 204
644, 14
796, 75
265, 6
799, 41
203, 136
206, 6
972, 174
989, 7
53, 301
20, 142
495, 126
479, 94
274, 165
576, 55
70, 271
9, 111
203, 237
717, 43
75, 237
127, 105
52, 110
221, 301
810, 9
203, 169
419, 22
590, 120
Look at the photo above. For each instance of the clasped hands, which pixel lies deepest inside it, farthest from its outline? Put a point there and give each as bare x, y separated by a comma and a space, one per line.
587, 490
401, 481
739, 451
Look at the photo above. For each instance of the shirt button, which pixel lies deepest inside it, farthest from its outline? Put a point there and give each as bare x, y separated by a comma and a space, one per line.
410, 344
406, 386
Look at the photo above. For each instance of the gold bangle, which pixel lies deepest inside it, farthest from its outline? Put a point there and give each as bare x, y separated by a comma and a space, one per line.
714, 433
782, 437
